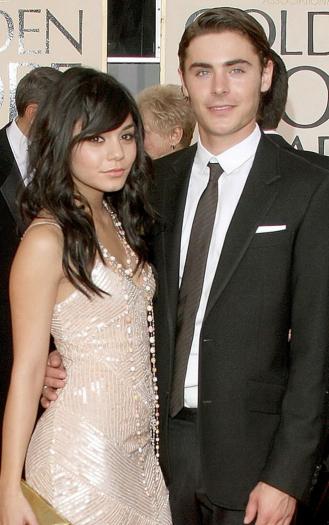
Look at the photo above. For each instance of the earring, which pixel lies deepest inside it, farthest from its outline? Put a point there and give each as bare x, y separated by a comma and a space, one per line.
173, 146
185, 97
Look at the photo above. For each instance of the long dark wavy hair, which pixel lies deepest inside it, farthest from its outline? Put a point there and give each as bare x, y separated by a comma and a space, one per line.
98, 103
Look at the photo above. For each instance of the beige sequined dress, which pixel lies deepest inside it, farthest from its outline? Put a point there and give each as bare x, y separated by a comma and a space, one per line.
91, 454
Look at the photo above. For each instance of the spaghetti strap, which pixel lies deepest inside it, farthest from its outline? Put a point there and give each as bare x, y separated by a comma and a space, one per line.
41, 222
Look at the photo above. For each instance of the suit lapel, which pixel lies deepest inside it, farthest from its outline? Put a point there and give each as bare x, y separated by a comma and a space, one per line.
175, 199
11, 183
10, 190
257, 197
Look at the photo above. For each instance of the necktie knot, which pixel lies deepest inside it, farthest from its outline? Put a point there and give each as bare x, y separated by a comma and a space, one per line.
215, 171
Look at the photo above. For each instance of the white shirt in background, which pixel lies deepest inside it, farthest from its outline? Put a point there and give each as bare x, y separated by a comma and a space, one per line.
19, 145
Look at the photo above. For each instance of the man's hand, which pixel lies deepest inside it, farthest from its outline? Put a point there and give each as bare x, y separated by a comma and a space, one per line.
270, 505
54, 379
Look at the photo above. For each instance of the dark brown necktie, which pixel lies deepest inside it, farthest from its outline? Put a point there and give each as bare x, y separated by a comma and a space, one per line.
192, 283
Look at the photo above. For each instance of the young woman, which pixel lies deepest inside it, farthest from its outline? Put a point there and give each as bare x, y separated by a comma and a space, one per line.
81, 273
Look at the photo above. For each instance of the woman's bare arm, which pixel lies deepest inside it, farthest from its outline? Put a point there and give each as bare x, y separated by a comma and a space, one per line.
34, 282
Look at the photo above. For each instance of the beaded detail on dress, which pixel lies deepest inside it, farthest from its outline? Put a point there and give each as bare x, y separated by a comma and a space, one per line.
92, 452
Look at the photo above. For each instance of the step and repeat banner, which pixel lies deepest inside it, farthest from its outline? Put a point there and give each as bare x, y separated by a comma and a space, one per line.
298, 30
48, 33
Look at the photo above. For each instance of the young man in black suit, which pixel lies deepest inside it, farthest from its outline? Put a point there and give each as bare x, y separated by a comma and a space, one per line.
242, 256
32, 89
246, 442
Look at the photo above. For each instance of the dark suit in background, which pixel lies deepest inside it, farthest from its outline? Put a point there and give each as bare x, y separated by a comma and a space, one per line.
311, 156
11, 228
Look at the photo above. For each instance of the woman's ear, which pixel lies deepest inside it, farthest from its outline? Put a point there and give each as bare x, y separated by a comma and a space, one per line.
175, 136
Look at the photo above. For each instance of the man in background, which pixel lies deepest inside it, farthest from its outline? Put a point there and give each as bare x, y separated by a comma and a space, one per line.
32, 90
168, 119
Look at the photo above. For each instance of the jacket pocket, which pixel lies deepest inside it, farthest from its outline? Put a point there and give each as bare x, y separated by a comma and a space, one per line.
276, 238
265, 397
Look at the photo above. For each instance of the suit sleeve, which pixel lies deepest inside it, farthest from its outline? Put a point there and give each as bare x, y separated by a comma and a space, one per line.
297, 445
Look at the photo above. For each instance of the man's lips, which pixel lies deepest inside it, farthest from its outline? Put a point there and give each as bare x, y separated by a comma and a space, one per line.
220, 107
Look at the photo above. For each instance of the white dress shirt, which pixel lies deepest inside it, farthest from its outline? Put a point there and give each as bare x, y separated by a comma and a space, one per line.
236, 163
19, 144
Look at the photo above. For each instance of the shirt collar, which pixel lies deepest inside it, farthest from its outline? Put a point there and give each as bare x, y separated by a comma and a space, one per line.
18, 141
234, 157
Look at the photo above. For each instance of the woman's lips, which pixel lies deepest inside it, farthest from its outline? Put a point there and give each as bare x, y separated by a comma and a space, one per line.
115, 172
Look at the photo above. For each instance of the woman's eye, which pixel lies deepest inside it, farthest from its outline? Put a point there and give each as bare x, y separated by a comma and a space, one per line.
96, 139
128, 137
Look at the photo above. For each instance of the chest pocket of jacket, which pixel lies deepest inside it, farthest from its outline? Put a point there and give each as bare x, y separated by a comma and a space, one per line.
261, 240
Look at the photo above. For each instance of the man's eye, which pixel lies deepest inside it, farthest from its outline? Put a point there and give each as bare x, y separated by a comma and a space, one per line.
237, 70
202, 73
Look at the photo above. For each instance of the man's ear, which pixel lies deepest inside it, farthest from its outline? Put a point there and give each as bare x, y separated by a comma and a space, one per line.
184, 90
267, 74
30, 112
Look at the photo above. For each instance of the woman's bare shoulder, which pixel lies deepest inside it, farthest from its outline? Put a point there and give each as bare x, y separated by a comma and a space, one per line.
43, 238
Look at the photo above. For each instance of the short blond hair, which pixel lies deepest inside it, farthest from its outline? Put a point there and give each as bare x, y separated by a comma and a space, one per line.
169, 109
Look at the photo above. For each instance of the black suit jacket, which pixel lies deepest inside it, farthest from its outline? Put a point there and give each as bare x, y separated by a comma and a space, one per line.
261, 399
11, 229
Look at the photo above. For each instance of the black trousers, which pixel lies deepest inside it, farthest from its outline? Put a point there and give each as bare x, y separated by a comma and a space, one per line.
188, 500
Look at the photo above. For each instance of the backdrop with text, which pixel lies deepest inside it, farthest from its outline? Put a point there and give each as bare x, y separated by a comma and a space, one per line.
57, 34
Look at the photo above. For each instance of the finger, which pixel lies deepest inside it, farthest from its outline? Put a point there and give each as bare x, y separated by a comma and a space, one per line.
54, 373
54, 359
263, 519
288, 520
48, 395
251, 511
44, 402
32, 519
53, 383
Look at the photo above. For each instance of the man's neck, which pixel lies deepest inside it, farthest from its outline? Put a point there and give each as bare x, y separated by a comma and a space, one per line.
216, 144
23, 125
